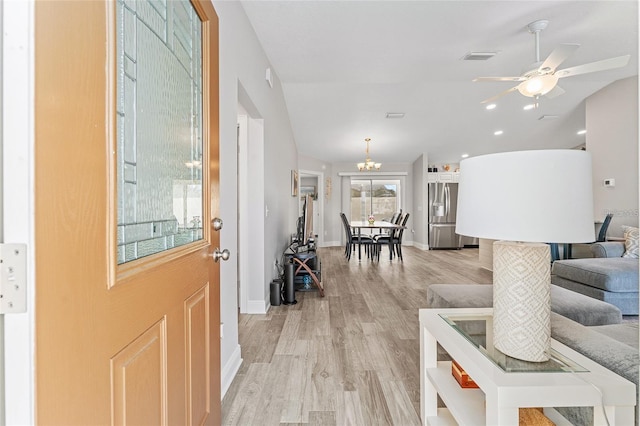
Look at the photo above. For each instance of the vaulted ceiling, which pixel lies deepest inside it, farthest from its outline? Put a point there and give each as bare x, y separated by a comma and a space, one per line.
345, 64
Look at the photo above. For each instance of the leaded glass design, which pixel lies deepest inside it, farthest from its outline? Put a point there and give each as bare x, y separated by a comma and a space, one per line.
159, 126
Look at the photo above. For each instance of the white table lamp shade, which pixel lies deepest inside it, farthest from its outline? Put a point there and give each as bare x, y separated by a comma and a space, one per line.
531, 196
525, 198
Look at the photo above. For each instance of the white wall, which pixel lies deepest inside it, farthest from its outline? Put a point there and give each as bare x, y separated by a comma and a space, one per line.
243, 64
612, 140
420, 200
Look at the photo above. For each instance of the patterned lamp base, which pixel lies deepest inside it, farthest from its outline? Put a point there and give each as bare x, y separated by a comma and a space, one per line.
521, 300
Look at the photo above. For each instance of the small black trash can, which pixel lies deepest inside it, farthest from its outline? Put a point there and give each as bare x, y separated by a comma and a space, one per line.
276, 292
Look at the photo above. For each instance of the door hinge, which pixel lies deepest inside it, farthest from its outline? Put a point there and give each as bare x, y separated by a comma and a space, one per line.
13, 278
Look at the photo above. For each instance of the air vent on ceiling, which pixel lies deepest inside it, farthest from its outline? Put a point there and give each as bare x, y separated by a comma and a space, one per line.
395, 115
479, 56
547, 117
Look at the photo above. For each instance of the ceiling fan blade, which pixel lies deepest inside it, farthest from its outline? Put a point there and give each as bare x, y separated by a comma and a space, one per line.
499, 95
555, 92
557, 57
605, 64
480, 79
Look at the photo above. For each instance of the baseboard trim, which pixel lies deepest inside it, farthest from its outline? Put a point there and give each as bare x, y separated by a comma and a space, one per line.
423, 247
331, 244
230, 370
257, 307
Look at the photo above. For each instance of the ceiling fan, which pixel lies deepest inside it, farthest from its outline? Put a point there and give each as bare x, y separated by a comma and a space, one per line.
542, 78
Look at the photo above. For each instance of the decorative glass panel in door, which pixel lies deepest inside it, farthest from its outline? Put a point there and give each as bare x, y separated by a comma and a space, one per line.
159, 126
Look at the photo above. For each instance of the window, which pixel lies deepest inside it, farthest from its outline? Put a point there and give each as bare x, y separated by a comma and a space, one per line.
377, 197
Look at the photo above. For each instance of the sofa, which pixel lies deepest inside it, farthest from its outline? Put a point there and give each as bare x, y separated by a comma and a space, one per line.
580, 308
589, 326
614, 346
608, 276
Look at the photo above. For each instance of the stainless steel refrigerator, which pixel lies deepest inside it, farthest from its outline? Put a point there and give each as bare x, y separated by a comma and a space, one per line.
443, 202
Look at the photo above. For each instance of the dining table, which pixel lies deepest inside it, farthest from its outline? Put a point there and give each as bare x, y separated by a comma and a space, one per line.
359, 225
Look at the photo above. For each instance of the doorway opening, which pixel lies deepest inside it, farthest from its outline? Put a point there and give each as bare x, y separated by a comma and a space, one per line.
311, 183
250, 203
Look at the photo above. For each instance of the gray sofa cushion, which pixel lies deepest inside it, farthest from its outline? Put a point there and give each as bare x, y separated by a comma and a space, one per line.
459, 296
614, 355
608, 249
583, 309
609, 274
578, 307
626, 333
627, 302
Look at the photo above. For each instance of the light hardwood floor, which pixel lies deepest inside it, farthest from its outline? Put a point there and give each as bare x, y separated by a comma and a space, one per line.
351, 357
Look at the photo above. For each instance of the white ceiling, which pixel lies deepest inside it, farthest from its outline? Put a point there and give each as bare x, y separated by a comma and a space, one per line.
344, 64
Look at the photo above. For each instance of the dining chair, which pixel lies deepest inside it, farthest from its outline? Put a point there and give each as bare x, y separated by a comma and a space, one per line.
602, 236
398, 241
352, 240
347, 245
395, 218
393, 240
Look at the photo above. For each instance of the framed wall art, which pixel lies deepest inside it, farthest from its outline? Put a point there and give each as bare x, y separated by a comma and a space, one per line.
294, 183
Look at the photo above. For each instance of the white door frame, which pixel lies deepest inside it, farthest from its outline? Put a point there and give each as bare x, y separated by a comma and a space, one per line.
320, 176
243, 213
18, 200
252, 211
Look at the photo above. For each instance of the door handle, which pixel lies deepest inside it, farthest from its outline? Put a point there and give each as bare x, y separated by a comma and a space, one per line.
217, 254
447, 202
217, 224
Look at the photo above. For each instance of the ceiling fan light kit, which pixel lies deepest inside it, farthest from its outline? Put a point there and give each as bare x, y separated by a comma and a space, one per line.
538, 86
542, 78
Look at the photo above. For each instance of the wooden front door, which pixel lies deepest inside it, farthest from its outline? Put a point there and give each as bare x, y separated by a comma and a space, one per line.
119, 341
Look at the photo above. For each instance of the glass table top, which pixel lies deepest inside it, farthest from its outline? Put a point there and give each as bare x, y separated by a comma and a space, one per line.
474, 328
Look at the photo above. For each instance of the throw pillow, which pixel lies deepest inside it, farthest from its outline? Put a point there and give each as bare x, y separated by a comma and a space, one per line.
630, 241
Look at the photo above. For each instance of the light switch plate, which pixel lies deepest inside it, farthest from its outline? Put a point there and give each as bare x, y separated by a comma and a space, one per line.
13, 278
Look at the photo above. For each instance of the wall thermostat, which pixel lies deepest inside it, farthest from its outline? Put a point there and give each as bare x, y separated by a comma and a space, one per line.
609, 182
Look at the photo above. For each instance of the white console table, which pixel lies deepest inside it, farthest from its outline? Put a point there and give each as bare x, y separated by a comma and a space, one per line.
505, 384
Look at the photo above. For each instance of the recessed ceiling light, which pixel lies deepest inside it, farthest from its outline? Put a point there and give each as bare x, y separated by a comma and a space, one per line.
582, 132
395, 115
464, 155
528, 107
498, 132
491, 106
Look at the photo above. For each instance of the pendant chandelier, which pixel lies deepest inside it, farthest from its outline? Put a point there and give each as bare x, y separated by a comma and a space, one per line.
368, 163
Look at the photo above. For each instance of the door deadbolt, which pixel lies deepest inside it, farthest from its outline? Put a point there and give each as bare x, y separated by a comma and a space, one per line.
217, 254
217, 224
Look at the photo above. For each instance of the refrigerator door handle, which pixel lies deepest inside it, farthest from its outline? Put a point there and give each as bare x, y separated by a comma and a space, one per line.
447, 201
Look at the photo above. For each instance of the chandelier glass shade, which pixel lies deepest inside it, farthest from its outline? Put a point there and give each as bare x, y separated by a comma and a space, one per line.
368, 164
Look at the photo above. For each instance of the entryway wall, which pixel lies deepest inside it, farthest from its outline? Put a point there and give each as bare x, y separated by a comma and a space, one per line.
243, 64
